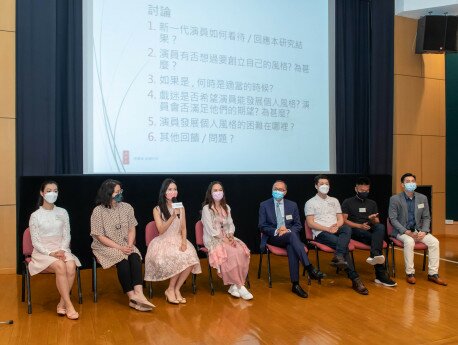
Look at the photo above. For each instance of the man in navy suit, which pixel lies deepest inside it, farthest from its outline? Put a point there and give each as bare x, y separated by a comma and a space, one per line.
280, 225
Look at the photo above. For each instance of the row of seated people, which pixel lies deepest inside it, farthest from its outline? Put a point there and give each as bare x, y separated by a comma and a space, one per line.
334, 225
170, 256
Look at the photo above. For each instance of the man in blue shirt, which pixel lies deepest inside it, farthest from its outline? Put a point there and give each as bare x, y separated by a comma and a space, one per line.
280, 226
409, 215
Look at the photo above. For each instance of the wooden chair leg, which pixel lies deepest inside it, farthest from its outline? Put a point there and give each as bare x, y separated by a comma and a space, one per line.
78, 281
269, 275
260, 265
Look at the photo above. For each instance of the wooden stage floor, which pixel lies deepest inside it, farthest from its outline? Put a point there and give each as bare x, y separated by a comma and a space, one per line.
333, 313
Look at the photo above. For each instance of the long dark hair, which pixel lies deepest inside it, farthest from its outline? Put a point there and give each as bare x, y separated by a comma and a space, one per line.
42, 189
162, 200
105, 192
209, 198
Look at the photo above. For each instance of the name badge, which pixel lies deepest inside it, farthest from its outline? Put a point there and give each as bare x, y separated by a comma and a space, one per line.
421, 205
289, 217
362, 210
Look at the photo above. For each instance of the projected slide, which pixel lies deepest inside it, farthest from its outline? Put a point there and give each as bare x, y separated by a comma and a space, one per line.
206, 86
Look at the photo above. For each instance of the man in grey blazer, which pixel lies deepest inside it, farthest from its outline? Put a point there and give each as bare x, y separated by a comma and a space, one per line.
409, 215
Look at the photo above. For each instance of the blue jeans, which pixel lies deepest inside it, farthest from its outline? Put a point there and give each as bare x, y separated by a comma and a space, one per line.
339, 242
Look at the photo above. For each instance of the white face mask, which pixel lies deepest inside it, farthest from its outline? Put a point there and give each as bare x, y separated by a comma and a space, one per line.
323, 189
50, 197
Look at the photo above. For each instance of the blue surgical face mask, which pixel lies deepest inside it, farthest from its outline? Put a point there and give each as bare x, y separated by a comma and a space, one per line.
118, 197
410, 186
277, 195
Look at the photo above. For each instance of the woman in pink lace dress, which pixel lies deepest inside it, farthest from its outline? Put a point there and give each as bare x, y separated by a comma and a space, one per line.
170, 255
229, 255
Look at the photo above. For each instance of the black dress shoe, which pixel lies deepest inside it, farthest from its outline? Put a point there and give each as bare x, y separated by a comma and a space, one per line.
315, 274
298, 291
339, 262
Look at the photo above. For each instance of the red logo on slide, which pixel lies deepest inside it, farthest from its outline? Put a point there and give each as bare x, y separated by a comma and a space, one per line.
125, 157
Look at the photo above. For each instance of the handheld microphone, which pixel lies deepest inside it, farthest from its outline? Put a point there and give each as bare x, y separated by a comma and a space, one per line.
176, 205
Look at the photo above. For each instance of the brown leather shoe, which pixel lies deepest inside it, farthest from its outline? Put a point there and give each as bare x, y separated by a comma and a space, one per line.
339, 262
436, 279
359, 287
410, 278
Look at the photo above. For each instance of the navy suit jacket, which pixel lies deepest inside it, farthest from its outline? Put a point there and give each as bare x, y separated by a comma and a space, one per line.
268, 219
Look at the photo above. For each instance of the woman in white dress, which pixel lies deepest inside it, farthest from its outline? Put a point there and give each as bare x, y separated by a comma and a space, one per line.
50, 232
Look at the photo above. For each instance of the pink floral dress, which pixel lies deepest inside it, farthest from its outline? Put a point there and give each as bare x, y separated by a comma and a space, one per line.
231, 260
164, 259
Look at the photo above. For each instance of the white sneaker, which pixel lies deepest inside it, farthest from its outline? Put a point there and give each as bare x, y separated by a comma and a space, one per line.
376, 260
245, 294
234, 291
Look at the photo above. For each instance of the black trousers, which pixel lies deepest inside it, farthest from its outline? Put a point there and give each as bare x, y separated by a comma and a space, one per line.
130, 272
373, 237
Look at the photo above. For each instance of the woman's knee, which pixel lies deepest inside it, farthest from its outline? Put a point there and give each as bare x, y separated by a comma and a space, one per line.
59, 267
134, 259
71, 267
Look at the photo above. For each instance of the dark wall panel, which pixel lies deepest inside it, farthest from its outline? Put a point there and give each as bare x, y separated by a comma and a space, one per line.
451, 146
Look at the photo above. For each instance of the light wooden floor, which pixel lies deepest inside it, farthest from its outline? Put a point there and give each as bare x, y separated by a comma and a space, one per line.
333, 314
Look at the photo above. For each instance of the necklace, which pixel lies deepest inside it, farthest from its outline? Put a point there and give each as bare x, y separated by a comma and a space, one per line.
219, 212
118, 224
